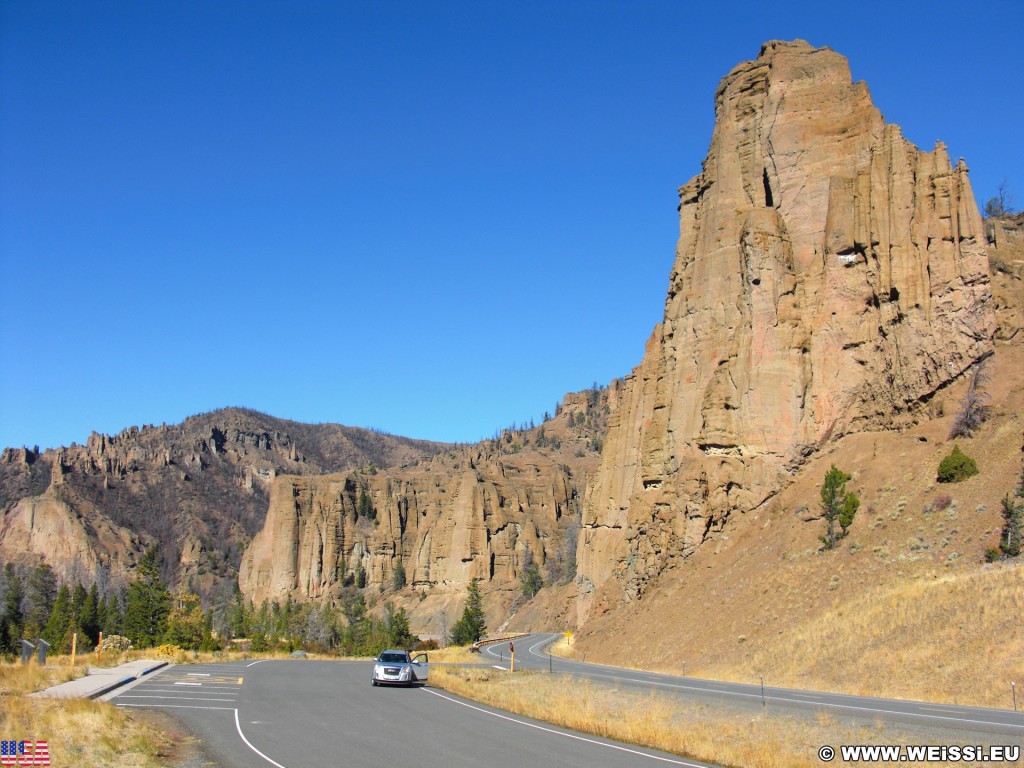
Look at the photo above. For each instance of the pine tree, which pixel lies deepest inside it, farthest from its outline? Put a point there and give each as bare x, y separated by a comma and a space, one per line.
529, 578
112, 618
61, 617
147, 605
238, 621
360, 576
40, 594
12, 617
399, 634
398, 577
837, 505
472, 626
89, 616
1013, 522
365, 506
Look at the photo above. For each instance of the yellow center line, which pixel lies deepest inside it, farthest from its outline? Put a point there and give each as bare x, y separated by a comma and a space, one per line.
239, 681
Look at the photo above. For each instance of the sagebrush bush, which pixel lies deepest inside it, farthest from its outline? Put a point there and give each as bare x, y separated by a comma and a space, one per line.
956, 466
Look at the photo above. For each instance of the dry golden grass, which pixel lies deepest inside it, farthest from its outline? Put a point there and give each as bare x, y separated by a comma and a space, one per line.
918, 639
717, 735
77, 731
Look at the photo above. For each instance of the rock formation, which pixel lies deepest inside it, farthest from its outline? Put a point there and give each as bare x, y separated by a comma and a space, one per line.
829, 277
199, 489
475, 512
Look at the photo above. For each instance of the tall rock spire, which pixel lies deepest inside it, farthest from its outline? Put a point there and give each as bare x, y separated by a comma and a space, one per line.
829, 277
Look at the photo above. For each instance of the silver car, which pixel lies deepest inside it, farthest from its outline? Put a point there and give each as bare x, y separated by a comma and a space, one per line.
399, 668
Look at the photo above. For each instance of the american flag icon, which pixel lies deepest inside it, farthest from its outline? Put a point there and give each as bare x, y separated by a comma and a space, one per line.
24, 753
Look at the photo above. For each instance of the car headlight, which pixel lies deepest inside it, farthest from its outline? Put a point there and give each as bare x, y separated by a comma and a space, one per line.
378, 670
406, 671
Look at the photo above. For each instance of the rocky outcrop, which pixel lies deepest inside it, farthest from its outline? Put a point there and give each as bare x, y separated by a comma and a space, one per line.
1005, 238
829, 277
480, 512
198, 489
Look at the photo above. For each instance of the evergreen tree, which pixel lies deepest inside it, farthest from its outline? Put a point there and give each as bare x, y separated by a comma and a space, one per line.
360, 576
365, 506
472, 626
530, 578
837, 505
147, 605
112, 618
238, 621
40, 594
399, 634
12, 617
398, 577
89, 616
61, 617
1013, 521
957, 466
6, 640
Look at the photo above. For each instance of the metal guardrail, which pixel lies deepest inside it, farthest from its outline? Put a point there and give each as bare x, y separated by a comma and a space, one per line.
475, 648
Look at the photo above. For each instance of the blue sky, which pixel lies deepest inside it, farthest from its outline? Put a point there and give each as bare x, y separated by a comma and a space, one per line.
431, 218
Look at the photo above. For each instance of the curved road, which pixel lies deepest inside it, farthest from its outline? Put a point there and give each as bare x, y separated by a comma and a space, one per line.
307, 714
310, 714
530, 653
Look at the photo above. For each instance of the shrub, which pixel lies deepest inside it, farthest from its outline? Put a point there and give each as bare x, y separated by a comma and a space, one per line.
115, 643
957, 466
168, 651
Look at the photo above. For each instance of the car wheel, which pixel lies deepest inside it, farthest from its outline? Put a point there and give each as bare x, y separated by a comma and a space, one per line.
374, 683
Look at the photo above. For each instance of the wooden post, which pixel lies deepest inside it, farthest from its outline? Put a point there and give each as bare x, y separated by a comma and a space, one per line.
74, 648
99, 647
512, 653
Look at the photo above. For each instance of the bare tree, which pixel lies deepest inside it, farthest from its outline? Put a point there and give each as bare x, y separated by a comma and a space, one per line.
973, 408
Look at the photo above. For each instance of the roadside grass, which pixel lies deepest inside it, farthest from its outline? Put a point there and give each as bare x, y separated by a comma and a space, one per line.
913, 640
77, 731
952, 639
710, 733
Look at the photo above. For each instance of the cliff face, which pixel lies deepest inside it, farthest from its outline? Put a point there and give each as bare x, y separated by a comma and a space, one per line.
199, 489
829, 277
482, 511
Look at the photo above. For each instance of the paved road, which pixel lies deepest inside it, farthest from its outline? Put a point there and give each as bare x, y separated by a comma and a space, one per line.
311, 714
530, 653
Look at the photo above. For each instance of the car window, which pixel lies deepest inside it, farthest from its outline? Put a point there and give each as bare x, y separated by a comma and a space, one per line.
393, 658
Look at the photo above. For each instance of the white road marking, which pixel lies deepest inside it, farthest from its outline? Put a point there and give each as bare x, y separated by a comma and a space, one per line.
563, 733
176, 698
174, 706
197, 674
199, 684
254, 663
250, 746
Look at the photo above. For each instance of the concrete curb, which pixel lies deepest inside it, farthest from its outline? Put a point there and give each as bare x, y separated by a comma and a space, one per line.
98, 682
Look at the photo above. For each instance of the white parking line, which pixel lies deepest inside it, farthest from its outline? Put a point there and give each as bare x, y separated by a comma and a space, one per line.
173, 706
176, 698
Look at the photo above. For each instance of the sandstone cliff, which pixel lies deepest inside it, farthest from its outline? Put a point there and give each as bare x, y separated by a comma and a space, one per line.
199, 489
481, 512
829, 278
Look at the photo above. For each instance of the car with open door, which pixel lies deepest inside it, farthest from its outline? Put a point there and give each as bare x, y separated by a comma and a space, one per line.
400, 668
